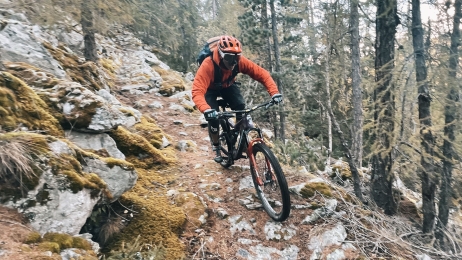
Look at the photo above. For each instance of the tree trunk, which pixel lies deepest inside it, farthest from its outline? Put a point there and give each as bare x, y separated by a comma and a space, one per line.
265, 26
450, 113
331, 117
88, 30
427, 140
278, 69
214, 10
357, 133
382, 162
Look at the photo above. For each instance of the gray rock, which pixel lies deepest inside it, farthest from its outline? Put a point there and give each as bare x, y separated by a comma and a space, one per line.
95, 142
19, 44
277, 232
246, 183
239, 224
62, 211
333, 236
156, 104
222, 213
325, 211
117, 178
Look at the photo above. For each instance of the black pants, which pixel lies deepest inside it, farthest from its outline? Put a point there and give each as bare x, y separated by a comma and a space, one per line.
232, 95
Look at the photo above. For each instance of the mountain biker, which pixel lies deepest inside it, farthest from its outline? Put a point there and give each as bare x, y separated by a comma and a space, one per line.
205, 91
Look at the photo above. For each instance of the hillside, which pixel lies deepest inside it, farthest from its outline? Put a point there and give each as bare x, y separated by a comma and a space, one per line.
118, 153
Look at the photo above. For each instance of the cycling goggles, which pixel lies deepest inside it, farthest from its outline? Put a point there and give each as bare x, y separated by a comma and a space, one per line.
231, 58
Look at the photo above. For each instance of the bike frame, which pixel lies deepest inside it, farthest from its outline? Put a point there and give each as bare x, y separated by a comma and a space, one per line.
244, 127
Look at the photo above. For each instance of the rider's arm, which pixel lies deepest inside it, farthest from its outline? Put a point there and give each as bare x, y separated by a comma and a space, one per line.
259, 74
203, 79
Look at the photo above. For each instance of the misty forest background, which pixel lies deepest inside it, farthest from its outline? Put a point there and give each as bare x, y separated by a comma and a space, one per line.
374, 82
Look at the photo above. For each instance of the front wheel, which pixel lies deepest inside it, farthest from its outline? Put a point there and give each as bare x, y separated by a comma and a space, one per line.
270, 182
226, 151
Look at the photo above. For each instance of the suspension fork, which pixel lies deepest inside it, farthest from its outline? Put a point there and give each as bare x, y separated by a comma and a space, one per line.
253, 162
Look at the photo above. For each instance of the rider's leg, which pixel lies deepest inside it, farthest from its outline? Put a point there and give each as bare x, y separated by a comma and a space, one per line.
211, 99
232, 95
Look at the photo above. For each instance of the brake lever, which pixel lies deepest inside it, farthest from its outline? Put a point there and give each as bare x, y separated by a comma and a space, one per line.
270, 104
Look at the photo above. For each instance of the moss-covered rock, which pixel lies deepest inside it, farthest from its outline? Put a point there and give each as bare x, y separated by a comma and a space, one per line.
343, 169
21, 106
86, 73
192, 207
311, 188
33, 238
31, 75
69, 166
172, 81
63, 240
55, 242
72, 104
139, 151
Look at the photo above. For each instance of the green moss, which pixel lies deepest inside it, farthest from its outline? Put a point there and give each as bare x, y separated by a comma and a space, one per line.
21, 105
63, 240
111, 162
133, 145
310, 189
49, 246
172, 81
33, 237
192, 206
188, 108
78, 242
127, 112
86, 73
158, 221
69, 166
315, 205
343, 169
148, 128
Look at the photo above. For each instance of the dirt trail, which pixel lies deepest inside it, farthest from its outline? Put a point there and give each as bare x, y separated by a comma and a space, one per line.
219, 189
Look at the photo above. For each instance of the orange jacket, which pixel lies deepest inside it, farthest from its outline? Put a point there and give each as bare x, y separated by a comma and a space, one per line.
205, 76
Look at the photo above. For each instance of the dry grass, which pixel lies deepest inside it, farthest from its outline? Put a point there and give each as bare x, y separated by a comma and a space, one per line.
109, 229
17, 153
378, 235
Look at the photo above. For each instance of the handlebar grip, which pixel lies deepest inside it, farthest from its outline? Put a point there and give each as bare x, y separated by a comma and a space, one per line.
271, 103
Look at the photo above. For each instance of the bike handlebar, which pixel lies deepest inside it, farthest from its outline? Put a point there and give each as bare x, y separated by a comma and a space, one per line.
246, 111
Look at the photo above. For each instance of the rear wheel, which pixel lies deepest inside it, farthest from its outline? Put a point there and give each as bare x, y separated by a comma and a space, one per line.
270, 182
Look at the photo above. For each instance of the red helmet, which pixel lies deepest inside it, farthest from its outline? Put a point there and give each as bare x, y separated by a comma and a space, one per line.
229, 44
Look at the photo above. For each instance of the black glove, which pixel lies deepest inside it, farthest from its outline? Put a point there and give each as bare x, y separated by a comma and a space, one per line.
277, 98
210, 114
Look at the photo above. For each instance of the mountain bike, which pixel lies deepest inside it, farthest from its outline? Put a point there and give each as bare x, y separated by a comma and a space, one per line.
244, 140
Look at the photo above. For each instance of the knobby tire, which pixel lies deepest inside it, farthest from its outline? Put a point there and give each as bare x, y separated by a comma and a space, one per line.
226, 147
272, 193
